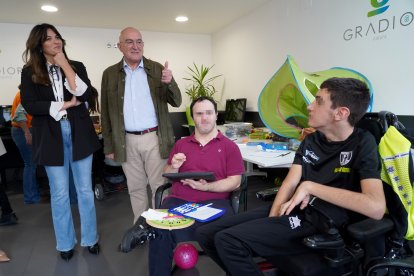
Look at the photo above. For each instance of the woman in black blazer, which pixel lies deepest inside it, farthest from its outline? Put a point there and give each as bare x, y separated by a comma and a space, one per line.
54, 90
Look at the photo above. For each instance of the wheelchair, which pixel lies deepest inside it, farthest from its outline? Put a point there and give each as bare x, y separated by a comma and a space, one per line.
238, 197
238, 202
368, 247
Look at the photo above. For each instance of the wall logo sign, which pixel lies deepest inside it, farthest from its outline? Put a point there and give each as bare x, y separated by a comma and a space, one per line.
8, 72
379, 7
379, 27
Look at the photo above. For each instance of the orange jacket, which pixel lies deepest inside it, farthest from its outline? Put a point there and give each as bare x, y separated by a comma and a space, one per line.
16, 103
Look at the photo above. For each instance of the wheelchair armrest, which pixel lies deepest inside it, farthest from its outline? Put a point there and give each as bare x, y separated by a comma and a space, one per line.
235, 197
325, 241
369, 228
159, 193
239, 196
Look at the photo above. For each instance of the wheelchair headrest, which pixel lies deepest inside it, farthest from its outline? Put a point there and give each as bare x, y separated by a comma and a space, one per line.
378, 123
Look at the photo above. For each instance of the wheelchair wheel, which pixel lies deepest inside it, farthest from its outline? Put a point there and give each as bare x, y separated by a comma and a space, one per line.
405, 272
395, 270
99, 192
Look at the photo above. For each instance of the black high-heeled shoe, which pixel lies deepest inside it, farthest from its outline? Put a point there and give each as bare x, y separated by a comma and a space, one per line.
94, 249
66, 255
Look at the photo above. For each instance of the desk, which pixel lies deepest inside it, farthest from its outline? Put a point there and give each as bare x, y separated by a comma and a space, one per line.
265, 159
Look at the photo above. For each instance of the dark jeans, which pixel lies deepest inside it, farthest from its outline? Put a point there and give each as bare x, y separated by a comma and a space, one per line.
4, 202
30, 185
161, 249
232, 242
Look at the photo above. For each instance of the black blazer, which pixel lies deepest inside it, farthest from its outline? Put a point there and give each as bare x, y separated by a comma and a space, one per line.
47, 136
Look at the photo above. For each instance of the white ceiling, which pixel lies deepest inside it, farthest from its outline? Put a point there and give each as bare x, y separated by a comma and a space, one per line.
205, 16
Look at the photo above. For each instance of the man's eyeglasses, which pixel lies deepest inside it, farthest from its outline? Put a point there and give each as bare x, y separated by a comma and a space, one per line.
130, 42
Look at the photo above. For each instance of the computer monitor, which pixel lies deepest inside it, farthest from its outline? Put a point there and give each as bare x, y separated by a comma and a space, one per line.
235, 110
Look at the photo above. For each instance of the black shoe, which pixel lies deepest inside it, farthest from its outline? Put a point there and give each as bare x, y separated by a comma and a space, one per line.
136, 235
66, 255
94, 249
8, 219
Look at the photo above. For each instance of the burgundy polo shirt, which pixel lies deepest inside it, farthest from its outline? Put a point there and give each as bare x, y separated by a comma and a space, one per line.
221, 156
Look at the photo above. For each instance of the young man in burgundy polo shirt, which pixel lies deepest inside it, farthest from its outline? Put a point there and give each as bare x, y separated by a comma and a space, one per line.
206, 149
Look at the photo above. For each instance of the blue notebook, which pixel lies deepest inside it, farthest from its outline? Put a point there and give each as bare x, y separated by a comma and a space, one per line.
197, 211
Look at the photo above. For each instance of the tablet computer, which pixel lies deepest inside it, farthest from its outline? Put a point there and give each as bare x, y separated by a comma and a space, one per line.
208, 176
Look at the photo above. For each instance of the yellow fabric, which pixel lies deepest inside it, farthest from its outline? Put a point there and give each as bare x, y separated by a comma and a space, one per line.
395, 152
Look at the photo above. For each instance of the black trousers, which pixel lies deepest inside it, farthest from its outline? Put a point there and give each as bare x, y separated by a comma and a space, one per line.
4, 202
232, 242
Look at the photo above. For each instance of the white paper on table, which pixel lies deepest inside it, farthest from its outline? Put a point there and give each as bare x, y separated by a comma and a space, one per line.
152, 214
203, 213
266, 158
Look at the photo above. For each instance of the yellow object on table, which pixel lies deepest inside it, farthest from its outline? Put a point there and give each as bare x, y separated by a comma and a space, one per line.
260, 135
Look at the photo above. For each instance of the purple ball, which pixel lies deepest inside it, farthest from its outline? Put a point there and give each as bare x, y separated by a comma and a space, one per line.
185, 256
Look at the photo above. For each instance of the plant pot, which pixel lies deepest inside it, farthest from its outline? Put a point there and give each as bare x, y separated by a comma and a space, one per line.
190, 120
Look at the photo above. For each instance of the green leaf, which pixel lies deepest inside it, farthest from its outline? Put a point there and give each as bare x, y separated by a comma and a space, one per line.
201, 83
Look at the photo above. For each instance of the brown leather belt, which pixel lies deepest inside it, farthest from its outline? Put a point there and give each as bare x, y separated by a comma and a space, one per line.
142, 132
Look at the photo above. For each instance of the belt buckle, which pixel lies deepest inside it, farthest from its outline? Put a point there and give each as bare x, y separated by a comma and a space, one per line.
64, 117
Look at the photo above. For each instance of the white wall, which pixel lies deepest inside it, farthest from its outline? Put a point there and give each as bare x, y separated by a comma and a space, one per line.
251, 50
90, 46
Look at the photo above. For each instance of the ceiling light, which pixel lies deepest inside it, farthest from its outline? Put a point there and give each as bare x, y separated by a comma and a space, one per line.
49, 8
181, 19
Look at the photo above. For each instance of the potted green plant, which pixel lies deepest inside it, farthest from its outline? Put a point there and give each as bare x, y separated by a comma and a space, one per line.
201, 85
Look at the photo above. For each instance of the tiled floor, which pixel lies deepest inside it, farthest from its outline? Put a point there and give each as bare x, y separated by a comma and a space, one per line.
31, 243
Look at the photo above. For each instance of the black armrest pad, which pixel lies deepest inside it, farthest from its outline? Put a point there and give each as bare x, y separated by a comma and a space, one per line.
164, 187
370, 228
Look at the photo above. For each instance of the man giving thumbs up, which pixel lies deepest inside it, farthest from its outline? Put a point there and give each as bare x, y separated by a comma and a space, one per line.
136, 128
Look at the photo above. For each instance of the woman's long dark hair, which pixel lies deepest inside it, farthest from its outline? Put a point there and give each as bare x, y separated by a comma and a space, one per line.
93, 101
33, 55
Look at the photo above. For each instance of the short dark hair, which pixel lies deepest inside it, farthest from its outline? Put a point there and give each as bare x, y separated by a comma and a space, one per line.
200, 99
351, 93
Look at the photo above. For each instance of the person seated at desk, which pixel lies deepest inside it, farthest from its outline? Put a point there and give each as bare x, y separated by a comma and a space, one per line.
336, 169
206, 149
